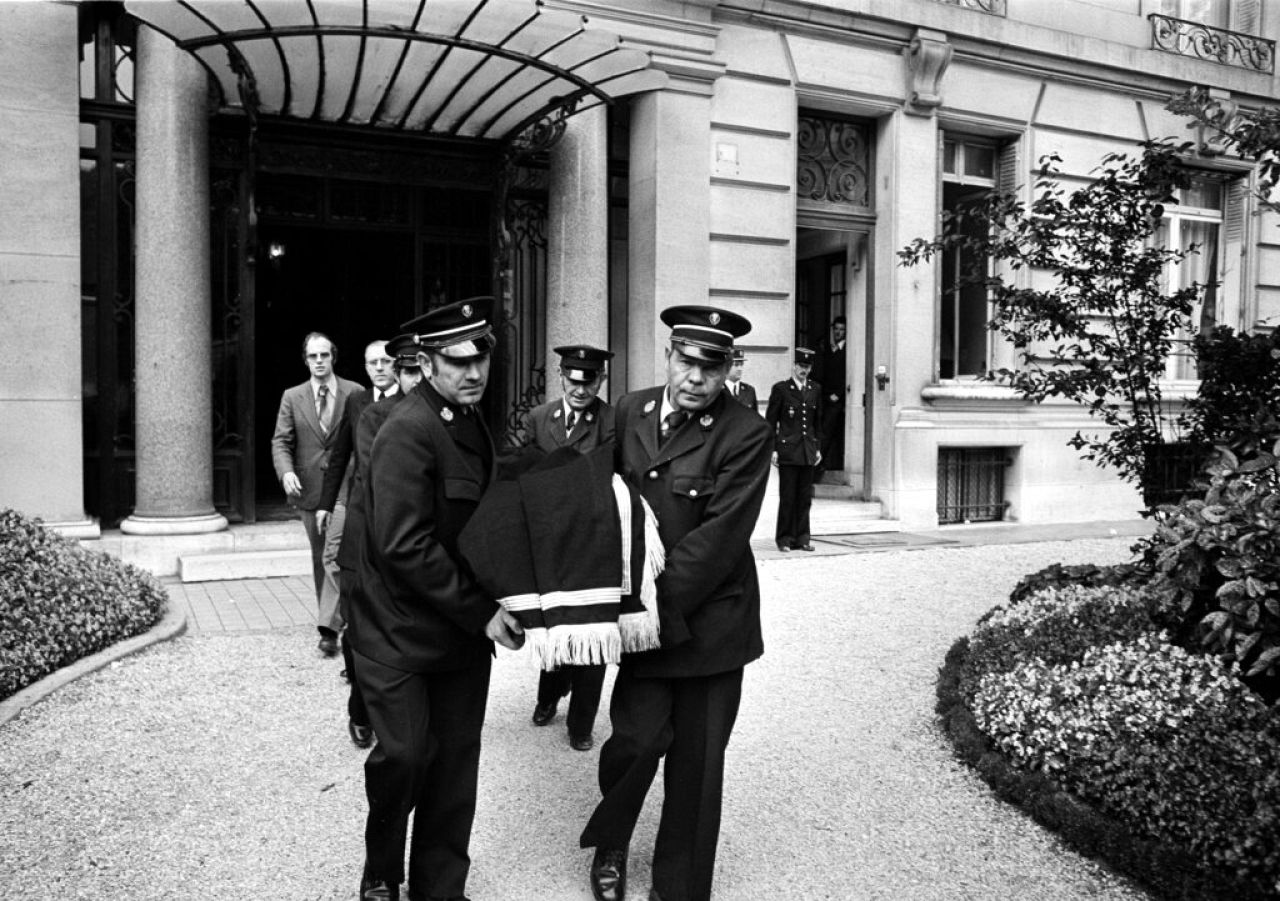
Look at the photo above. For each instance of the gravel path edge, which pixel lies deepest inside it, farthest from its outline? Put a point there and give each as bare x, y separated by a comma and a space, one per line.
173, 624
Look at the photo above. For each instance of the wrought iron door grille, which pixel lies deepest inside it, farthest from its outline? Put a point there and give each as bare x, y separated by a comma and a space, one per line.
971, 484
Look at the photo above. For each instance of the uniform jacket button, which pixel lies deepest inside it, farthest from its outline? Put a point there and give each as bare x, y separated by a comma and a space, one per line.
653, 474
693, 492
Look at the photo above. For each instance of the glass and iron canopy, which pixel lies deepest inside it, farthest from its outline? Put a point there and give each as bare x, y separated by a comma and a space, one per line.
458, 68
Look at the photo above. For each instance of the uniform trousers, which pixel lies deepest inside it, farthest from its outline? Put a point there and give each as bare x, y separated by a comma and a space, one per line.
583, 684
688, 720
426, 760
324, 566
795, 498
355, 698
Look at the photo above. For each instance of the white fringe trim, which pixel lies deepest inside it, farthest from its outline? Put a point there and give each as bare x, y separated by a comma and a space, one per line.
622, 500
655, 561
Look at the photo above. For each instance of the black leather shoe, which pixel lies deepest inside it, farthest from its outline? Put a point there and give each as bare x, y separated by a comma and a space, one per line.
378, 890
803, 547
328, 646
582, 742
361, 736
782, 547
609, 874
544, 713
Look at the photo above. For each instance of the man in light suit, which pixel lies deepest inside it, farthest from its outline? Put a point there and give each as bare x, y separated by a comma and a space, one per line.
701, 461
581, 420
306, 429
742, 392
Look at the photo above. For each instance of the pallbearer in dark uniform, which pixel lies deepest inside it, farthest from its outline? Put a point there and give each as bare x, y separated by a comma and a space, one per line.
793, 414
421, 628
701, 460
742, 392
581, 420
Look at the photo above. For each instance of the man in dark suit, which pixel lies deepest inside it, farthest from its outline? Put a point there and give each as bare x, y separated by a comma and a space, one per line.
339, 481
581, 420
831, 374
307, 424
701, 461
745, 394
794, 408
421, 628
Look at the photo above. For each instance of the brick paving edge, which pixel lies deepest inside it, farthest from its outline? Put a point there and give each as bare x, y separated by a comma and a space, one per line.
171, 626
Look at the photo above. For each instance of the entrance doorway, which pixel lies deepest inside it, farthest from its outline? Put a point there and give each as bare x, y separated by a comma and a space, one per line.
355, 286
831, 287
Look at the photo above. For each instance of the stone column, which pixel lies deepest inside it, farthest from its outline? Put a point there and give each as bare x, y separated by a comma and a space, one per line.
669, 212
578, 239
41, 433
173, 361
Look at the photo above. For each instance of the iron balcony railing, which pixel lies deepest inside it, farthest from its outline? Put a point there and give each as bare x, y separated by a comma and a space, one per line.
994, 7
1231, 48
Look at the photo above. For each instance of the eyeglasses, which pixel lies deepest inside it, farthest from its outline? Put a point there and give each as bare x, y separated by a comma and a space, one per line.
379, 362
324, 356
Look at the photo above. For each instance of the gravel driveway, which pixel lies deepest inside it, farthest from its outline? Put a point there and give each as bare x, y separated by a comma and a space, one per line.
217, 768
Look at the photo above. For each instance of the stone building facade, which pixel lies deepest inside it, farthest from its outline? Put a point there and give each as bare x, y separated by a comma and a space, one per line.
189, 189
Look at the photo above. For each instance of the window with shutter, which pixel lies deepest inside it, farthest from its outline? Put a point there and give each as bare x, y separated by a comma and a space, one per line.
971, 167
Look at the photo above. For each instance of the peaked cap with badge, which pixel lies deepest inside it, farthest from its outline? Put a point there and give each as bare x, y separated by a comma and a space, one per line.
581, 362
705, 333
460, 330
404, 350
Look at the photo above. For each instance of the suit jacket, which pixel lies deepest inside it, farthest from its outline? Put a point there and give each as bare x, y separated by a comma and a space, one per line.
338, 478
830, 372
371, 418
706, 485
594, 427
415, 604
793, 416
298, 444
746, 396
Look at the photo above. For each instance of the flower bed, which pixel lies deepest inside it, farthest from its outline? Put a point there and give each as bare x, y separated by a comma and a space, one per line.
60, 602
1073, 703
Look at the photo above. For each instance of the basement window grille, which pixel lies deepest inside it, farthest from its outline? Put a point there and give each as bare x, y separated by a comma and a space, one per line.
971, 484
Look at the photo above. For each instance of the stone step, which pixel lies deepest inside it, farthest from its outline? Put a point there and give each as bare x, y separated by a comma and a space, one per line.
245, 565
829, 491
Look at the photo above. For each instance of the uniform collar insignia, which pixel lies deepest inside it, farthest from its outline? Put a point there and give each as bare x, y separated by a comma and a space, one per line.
648, 408
556, 414
591, 417
706, 421
446, 414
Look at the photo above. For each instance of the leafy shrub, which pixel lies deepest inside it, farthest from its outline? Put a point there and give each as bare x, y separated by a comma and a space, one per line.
1220, 558
1057, 575
60, 602
1059, 625
1167, 741
1239, 393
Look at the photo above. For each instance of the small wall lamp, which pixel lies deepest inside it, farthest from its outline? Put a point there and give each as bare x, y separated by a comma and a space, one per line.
882, 377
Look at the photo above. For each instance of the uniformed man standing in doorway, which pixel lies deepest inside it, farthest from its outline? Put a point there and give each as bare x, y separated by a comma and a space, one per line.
793, 414
701, 461
742, 392
422, 629
581, 420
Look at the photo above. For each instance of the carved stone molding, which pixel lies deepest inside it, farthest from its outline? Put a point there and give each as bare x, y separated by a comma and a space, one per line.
928, 56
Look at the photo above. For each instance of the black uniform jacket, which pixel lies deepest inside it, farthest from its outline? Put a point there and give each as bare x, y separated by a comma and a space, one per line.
594, 427
417, 606
793, 416
371, 418
746, 396
706, 486
341, 471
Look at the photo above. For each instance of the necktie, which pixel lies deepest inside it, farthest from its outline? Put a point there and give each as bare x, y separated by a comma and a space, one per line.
569, 422
322, 408
670, 423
